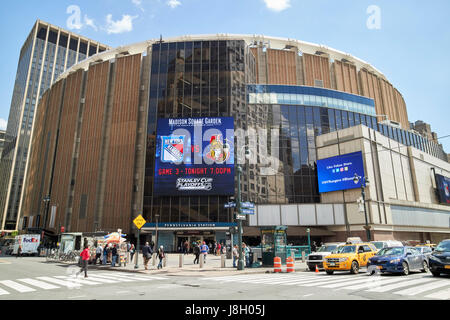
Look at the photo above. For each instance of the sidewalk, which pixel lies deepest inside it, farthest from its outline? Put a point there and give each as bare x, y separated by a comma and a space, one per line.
212, 267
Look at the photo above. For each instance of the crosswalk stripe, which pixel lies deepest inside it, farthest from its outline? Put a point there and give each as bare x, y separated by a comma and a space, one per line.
444, 294
78, 280
39, 284
398, 285
136, 277
274, 280
3, 292
95, 278
325, 282
374, 282
115, 277
68, 284
343, 284
16, 286
416, 290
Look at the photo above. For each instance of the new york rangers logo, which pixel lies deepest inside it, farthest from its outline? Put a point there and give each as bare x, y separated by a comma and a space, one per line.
172, 148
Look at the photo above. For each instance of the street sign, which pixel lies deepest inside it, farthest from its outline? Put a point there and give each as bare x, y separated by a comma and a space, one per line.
241, 217
139, 222
230, 205
247, 205
247, 211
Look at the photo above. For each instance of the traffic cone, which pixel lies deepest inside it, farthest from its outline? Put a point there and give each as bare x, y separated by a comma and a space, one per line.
317, 269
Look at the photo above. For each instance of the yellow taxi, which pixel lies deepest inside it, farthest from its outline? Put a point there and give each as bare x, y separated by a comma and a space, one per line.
350, 257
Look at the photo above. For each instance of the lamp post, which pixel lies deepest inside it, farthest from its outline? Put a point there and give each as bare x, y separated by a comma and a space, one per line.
238, 207
156, 237
46, 201
364, 182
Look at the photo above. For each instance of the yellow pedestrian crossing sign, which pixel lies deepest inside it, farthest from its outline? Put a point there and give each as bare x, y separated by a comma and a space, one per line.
139, 221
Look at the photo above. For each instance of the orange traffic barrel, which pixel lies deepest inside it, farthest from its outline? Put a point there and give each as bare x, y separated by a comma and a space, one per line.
289, 264
277, 264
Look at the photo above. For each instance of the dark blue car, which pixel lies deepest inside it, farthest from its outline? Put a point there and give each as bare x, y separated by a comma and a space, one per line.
398, 260
440, 259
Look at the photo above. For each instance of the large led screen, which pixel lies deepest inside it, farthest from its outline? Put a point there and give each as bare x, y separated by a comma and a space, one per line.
338, 173
194, 156
442, 184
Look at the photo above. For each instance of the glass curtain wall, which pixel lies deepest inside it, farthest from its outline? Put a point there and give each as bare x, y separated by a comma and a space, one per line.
193, 79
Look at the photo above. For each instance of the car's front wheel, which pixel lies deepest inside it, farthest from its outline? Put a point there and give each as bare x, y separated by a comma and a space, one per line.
405, 268
424, 266
330, 272
435, 273
355, 267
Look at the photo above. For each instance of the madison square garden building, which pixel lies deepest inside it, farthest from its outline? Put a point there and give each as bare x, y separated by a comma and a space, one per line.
160, 128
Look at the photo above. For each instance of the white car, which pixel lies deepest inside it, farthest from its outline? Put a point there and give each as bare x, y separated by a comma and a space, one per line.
316, 258
386, 243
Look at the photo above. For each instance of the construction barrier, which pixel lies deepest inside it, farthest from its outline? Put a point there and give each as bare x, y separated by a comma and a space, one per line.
289, 264
277, 264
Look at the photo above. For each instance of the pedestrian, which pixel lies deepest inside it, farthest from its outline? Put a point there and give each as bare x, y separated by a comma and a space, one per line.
84, 256
204, 249
219, 247
105, 254
313, 247
246, 253
114, 255
161, 256
196, 252
147, 254
235, 255
19, 251
98, 254
132, 251
186, 247
224, 249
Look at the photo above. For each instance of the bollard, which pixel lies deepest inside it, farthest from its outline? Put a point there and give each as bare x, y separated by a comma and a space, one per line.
303, 256
181, 257
201, 260
222, 261
277, 264
165, 260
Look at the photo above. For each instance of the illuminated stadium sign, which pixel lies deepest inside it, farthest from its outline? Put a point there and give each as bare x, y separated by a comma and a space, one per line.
338, 173
194, 156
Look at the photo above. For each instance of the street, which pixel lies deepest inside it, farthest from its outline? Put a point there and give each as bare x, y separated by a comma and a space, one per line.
32, 278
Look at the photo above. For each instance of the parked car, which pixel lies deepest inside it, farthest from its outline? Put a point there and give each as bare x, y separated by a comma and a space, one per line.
386, 244
316, 258
350, 257
440, 259
399, 260
431, 245
426, 251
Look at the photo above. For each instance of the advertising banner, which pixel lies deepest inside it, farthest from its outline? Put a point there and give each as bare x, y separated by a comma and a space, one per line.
194, 156
338, 173
442, 184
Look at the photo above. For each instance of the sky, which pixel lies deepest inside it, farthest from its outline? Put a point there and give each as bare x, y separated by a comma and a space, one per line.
407, 40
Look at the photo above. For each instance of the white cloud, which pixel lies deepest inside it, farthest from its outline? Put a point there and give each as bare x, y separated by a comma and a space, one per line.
90, 22
119, 26
173, 3
138, 3
277, 5
3, 124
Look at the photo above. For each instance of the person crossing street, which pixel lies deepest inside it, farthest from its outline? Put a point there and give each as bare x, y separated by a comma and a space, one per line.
204, 249
84, 256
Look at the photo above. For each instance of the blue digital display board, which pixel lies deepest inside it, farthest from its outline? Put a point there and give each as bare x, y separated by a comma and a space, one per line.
442, 185
194, 156
338, 173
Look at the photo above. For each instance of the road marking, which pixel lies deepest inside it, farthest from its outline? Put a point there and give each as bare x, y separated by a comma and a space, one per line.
344, 283
78, 280
2, 292
39, 284
102, 280
399, 285
134, 277
444, 294
416, 290
325, 282
68, 284
17, 286
115, 277
373, 282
